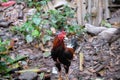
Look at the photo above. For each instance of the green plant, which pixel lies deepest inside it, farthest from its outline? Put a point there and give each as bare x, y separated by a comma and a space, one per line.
87, 16
4, 0
76, 29
58, 18
106, 24
4, 58
36, 3
3, 46
30, 29
39, 24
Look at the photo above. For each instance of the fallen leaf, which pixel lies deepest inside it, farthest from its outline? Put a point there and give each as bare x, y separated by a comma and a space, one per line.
91, 70
42, 75
102, 72
42, 48
29, 38
46, 54
12, 43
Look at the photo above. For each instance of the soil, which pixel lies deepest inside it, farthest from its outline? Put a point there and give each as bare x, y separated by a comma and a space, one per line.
100, 61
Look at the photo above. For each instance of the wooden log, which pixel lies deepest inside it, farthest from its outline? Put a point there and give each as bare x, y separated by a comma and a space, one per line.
79, 10
95, 13
107, 12
83, 11
100, 12
89, 11
114, 6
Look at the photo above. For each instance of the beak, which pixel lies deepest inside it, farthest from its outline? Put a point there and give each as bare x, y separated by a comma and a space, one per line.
65, 37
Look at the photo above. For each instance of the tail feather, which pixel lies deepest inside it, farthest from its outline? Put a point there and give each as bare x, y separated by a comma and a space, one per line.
74, 43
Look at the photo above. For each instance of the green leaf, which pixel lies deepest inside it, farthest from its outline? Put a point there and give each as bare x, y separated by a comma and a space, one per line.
4, 0
2, 49
35, 33
42, 76
0, 41
29, 38
3, 66
108, 25
87, 16
47, 54
7, 58
29, 28
18, 58
105, 23
46, 38
49, 32
36, 21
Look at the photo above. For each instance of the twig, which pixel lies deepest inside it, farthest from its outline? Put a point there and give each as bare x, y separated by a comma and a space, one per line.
81, 57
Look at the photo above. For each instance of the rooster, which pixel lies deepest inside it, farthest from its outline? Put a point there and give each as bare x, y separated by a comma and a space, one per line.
62, 54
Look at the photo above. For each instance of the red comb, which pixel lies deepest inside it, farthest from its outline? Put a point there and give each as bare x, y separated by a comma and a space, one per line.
63, 32
61, 35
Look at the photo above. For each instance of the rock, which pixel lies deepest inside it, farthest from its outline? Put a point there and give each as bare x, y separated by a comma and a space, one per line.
110, 35
114, 21
31, 12
28, 76
74, 79
93, 29
20, 5
25, 52
54, 71
5, 24
33, 57
2, 20
20, 14
59, 3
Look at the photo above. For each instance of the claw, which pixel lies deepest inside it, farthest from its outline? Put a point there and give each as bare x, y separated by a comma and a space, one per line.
67, 77
60, 78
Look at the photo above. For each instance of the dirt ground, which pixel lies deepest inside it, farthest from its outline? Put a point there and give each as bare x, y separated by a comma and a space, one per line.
101, 61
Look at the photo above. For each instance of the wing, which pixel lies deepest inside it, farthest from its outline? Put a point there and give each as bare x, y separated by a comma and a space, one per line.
69, 53
54, 55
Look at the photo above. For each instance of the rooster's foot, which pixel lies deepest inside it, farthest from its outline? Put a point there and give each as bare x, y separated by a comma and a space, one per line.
60, 78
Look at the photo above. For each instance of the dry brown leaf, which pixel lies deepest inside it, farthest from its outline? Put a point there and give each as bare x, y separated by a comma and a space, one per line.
42, 48
91, 38
91, 70
102, 72
36, 46
12, 43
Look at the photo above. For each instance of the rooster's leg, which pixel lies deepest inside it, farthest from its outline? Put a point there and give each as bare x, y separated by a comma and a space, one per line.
66, 70
67, 77
59, 69
60, 78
